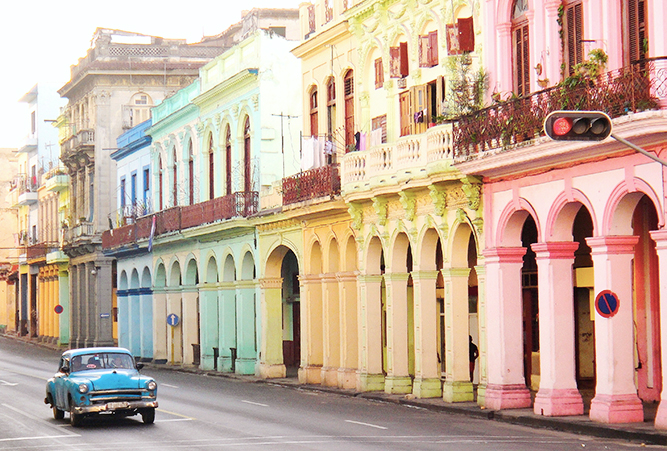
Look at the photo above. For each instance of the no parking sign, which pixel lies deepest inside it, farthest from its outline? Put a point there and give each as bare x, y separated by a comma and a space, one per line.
606, 303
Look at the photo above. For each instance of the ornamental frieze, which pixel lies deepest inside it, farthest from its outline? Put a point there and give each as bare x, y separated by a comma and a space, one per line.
286, 224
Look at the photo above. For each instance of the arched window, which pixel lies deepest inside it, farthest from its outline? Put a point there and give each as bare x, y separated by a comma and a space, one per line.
175, 178
313, 112
349, 110
191, 173
160, 179
520, 48
331, 108
211, 168
228, 161
247, 160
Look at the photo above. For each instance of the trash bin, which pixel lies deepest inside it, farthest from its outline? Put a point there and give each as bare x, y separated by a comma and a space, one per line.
196, 356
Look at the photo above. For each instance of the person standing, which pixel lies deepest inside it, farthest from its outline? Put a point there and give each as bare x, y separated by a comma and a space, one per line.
474, 353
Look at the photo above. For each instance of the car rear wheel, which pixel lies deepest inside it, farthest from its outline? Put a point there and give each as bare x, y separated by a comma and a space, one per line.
74, 418
58, 414
148, 415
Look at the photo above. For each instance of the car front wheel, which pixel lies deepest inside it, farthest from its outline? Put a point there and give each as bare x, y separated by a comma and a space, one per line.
58, 414
148, 415
74, 418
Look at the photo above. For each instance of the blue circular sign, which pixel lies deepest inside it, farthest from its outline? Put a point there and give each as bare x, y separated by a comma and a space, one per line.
58, 309
172, 319
606, 303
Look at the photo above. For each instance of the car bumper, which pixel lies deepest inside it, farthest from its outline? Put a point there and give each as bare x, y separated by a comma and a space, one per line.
115, 407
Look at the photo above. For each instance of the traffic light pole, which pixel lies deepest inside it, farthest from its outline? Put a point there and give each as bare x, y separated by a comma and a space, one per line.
640, 150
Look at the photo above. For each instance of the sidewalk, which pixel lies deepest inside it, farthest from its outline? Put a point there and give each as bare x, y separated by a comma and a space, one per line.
637, 432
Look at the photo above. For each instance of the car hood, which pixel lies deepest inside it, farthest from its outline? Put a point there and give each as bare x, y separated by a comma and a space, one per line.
114, 379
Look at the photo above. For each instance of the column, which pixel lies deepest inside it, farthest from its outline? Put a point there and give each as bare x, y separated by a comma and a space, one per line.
660, 237
616, 399
175, 333
159, 325
271, 363
74, 310
398, 379
102, 302
146, 314
558, 394
63, 297
132, 321
123, 318
349, 336
331, 332
457, 386
310, 370
246, 317
227, 326
506, 388
208, 311
427, 373
371, 377
480, 269
190, 324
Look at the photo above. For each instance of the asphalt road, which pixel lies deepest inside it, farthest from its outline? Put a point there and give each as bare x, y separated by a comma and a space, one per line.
200, 412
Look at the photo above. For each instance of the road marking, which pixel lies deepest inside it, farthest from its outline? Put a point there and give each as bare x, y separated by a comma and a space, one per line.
255, 403
32, 417
174, 419
366, 424
177, 414
167, 385
37, 437
7, 383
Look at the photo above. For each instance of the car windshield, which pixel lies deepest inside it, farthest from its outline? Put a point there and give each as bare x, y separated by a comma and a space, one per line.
101, 360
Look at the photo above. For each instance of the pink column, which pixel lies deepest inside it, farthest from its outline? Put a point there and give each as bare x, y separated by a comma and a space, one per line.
558, 393
506, 387
660, 237
616, 399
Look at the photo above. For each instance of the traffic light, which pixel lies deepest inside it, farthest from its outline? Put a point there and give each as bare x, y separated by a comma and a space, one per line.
577, 125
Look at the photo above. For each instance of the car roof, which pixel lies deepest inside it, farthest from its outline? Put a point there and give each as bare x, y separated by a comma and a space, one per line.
81, 351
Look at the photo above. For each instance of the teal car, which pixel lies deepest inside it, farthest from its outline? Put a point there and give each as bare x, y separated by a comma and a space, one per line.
94, 381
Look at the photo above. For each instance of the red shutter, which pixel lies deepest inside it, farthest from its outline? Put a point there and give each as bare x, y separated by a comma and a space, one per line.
379, 73
453, 47
433, 48
423, 51
405, 62
466, 34
521, 60
394, 62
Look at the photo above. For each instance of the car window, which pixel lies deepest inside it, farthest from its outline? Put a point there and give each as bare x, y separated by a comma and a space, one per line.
102, 360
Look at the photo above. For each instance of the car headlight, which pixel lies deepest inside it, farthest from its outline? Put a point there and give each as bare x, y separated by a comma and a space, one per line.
151, 385
83, 388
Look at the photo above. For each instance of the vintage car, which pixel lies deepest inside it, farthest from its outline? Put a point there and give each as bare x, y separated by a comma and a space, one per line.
100, 381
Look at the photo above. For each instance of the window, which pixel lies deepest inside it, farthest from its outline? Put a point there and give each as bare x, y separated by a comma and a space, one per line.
313, 112
141, 100
461, 36
635, 42
311, 20
247, 176
133, 188
211, 168
379, 74
160, 185
191, 173
573, 31
379, 130
280, 31
428, 49
147, 184
33, 123
123, 193
349, 110
520, 48
328, 11
175, 177
228, 161
420, 104
331, 107
399, 65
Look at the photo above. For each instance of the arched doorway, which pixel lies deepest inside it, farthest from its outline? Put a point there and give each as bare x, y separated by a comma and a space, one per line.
291, 296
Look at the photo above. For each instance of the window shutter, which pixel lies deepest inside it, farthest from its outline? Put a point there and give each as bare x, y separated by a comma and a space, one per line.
405, 66
311, 18
453, 47
433, 48
466, 34
574, 32
423, 52
379, 74
440, 95
521, 60
394, 62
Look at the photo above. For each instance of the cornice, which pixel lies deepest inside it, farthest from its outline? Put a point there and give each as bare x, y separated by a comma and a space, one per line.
213, 94
316, 43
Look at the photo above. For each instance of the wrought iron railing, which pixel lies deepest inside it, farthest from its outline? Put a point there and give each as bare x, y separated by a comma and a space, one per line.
635, 88
176, 219
312, 184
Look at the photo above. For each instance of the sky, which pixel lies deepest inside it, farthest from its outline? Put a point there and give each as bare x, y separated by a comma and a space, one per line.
40, 40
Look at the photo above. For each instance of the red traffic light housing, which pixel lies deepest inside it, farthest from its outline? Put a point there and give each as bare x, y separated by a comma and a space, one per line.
577, 126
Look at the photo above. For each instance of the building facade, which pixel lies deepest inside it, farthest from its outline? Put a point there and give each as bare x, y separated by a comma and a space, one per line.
9, 314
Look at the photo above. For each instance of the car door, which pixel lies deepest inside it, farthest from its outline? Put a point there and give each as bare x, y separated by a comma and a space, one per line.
60, 385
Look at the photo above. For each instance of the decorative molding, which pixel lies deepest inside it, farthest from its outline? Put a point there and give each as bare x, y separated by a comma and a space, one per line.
409, 203
357, 214
439, 198
381, 210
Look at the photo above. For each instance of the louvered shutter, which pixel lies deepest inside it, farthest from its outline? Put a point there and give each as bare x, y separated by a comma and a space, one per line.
466, 34
453, 47
574, 32
379, 74
521, 60
394, 62
423, 51
404, 61
433, 48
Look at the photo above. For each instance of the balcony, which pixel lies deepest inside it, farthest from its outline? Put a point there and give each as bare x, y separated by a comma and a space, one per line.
56, 180
312, 184
411, 157
82, 141
178, 219
25, 188
81, 230
28, 144
639, 87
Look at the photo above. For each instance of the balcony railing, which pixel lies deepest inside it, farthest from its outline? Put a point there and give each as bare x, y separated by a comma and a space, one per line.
83, 138
84, 229
175, 219
312, 184
409, 153
639, 87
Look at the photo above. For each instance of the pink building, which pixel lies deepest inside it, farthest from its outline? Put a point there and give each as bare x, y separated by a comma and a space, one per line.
564, 221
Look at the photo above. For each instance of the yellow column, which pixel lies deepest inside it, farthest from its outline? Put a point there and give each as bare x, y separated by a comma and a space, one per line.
371, 376
427, 372
271, 354
349, 326
310, 371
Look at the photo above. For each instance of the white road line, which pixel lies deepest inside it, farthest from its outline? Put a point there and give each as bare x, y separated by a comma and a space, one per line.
174, 419
167, 385
255, 403
37, 437
7, 383
32, 417
366, 424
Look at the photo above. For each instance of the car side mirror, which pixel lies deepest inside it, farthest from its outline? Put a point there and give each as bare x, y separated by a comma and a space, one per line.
140, 366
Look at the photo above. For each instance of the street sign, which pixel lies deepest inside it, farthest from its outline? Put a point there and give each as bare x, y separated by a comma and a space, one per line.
172, 319
105, 315
606, 303
58, 309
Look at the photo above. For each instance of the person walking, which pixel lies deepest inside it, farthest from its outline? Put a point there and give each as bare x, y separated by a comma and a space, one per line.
474, 353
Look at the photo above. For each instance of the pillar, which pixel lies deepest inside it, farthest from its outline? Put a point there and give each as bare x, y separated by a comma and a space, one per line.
506, 387
398, 379
558, 394
246, 317
616, 399
227, 326
208, 311
427, 372
159, 325
349, 336
331, 330
371, 377
271, 363
310, 370
660, 238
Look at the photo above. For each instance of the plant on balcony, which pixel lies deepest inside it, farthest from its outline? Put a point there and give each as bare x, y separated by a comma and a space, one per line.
467, 86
